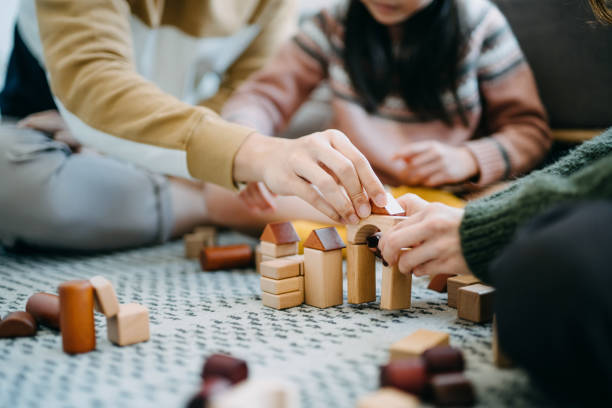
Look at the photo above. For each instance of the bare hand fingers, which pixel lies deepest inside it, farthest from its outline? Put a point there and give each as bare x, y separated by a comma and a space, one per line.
409, 260
412, 203
405, 237
412, 149
312, 196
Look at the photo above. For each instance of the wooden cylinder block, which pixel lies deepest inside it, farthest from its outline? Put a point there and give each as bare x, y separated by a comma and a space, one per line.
18, 324
224, 366
77, 316
226, 257
409, 375
45, 307
444, 359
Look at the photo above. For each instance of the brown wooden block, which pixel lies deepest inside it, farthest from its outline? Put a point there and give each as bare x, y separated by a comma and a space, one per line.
232, 369
323, 277
415, 344
280, 286
258, 257
388, 398
360, 274
452, 389
284, 301
279, 233
105, 298
278, 251
392, 207
281, 268
324, 239
358, 234
129, 326
77, 316
396, 289
226, 257
439, 282
500, 359
193, 245
408, 375
475, 303
443, 359
45, 308
18, 324
208, 235
456, 282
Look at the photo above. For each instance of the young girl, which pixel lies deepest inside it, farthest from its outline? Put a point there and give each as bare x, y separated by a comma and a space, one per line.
432, 92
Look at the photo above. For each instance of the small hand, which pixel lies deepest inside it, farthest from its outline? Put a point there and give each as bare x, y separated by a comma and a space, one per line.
52, 123
257, 197
433, 164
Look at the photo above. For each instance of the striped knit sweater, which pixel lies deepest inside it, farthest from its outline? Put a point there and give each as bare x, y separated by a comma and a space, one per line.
507, 130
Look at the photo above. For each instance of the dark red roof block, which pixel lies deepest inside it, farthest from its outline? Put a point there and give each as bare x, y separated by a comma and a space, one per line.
280, 233
324, 239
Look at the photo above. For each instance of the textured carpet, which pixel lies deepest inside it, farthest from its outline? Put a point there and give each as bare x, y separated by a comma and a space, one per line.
332, 355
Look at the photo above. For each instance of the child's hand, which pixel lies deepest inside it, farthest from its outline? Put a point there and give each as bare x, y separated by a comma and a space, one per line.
432, 233
257, 197
433, 164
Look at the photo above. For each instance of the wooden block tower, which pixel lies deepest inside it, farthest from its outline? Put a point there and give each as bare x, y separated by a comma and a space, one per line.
278, 240
323, 268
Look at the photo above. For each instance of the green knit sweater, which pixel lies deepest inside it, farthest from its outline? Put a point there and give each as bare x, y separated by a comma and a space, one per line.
490, 223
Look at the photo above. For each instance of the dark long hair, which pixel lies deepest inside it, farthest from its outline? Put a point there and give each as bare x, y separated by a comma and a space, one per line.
424, 67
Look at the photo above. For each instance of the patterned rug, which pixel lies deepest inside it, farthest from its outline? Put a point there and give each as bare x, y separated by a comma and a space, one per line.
331, 355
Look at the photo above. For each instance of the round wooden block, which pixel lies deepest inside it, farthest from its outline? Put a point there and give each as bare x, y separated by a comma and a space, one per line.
443, 359
77, 316
409, 375
18, 324
228, 367
452, 389
226, 257
45, 307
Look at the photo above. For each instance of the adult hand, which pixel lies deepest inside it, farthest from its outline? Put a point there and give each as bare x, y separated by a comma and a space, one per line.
323, 168
431, 231
257, 197
432, 164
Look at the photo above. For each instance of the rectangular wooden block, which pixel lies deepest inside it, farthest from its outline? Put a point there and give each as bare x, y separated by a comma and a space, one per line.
439, 282
396, 290
281, 268
388, 398
129, 326
499, 357
323, 277
415, 344
280, 286
257, 258
283, 301
277, 251
475, 303
360, 274
298, 258
208, 235
453, 284
193, 245
104, 296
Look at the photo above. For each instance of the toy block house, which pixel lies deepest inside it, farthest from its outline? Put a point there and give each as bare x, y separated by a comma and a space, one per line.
281, 283
278, 240
323, 268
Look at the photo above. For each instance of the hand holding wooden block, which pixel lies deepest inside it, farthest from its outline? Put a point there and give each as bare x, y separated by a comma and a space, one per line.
129, 326
415, 344
105, 298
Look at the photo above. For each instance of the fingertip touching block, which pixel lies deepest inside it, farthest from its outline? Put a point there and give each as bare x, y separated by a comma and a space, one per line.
409, 375
439, 282
415, 344
280, 268
226, 257
456, 282
392, 207
475, 303
280, 286
18, 324
444, 359
129, 326
283, 301
452, 389
105, 298
77, 316
388, 398
45, 307
232, 369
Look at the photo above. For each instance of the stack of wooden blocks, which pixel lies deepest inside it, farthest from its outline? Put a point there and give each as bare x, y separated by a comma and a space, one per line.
281, 268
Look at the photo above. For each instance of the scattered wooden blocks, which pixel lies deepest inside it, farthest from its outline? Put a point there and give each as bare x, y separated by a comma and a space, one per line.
452, 389
45, 308
388, 398
280, 286
283, 301
77, 316
439, 282
415, 344
105, 299
457, 282
18, 324
500, 359
475, 303
226, 257
129, 326
323, 268
361, 274
409, 375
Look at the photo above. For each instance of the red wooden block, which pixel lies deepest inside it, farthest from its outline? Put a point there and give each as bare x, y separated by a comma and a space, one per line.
228, 367
324, 239
226, 257
18, 324
279, 233
438, 282
452, 389
409, 375
443, 359
45, 307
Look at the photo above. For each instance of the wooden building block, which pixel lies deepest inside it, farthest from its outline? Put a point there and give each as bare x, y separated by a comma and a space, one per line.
452, 389
298, 258
439, 282
392, 207
324, 239
193, 245
45, 308
277, 251
129, 326
500, 359
408, 374
358, 234
259, 393
281, 268
360, 274
280, 286
284, 301
454, 283
443, 359
323, 277
211, 388
18, 324
231, 368
77, 316
226, 257
208, 235
396, 289
415, 344
279, 233
258, 257
105, 299
475, 303
388, 398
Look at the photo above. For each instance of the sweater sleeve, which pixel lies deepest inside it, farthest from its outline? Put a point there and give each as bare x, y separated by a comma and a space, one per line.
92, 75
490, 223
513, 115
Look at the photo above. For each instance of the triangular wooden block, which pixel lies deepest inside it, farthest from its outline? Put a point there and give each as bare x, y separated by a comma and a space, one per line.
279, 233
392, 207
324, 239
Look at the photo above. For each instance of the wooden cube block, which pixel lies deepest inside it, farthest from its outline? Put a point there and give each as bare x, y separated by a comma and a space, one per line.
283, 301
475, 303
396, 289
208, 235
323, 277
105, 299
277, 251
280, 286
454, 283
500, 359
193, 245
388, 398
415, 344
280, 268
129, 326
452, 389
439, 282
360, 274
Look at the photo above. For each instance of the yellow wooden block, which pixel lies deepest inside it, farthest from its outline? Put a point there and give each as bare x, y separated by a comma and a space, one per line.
129, 326
323, 277
388, 398
415, 344
277, 251
360, 274
280, 268
280, 286
283, 301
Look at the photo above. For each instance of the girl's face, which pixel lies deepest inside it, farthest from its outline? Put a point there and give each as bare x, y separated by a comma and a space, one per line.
391, 12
